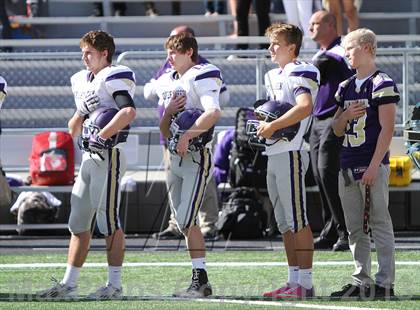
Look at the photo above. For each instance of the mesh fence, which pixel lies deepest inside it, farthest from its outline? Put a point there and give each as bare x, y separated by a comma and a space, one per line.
40, 96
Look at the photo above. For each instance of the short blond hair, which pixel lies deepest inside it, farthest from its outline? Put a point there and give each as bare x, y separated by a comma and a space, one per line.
291, 34
362, 36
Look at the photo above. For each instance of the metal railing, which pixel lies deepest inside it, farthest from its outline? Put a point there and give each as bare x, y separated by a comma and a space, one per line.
387, 58
39, 95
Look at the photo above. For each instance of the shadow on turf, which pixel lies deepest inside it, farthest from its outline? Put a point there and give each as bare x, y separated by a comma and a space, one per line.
12, 297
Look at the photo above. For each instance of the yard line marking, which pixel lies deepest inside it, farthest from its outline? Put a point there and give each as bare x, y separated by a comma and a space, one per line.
281, 304
183, 264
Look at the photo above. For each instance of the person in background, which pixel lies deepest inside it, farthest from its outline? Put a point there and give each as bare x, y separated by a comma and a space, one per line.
262, 9
214, 7
325, 145
233, 4
221, 155
5, 193
3, 94
351, 8
365, 118
119, 9
150, 9
6, 32
298, 13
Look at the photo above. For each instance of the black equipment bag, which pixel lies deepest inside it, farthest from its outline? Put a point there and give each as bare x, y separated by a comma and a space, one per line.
247, 165
242, 215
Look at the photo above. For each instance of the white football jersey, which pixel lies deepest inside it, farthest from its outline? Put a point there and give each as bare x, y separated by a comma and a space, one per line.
201, 83
285, 85
104, 85
3, 90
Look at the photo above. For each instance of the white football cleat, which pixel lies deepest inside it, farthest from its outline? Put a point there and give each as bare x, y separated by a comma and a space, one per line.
106, 292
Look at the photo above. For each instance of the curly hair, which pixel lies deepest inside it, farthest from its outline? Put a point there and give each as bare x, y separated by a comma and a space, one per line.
182, 42
99, 40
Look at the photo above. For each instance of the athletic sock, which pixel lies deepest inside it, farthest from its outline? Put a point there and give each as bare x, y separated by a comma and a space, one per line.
305, 278
199, 263
71, 276
293, 276
114, 276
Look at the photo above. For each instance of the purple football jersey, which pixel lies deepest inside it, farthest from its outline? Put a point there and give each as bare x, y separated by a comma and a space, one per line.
361, 135
334, 69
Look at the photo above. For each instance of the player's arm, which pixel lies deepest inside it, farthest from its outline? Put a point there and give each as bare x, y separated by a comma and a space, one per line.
386, 119
125, 115
209, 91
206, 121
339, 123
176, 104
342, 117
149, 90
300, 111
75, 124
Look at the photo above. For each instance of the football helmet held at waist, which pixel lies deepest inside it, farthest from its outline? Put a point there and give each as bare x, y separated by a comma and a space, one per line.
268, 112
183, 121
92, 127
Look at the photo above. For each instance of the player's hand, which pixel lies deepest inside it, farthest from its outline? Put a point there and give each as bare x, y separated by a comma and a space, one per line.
355, 110
89, 104
182, 145
265, 130
369, 176
176, 104
97, 144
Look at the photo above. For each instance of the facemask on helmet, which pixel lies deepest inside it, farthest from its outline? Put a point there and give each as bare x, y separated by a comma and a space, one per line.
268, 112
94, 126
180, 124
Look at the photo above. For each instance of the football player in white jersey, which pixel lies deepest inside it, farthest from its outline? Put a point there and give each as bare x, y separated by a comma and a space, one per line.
189, 87
294, 83
104, 107
209, 211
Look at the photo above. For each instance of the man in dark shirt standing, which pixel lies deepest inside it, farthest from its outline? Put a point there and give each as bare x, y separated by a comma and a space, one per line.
325, 145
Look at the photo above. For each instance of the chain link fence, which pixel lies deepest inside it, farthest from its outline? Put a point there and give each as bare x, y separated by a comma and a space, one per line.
39, 94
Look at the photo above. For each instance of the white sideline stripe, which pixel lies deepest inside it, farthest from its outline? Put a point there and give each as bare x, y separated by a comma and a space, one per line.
281, 304
187, 264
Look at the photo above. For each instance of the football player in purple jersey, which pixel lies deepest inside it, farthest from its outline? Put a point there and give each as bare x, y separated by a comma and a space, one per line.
365, 118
